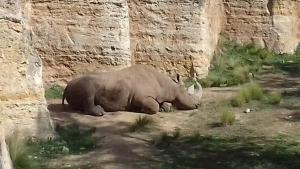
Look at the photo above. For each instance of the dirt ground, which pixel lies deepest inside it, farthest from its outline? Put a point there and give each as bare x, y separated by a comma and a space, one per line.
120, 149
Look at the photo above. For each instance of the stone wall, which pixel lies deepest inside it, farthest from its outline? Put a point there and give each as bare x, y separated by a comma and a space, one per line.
269, 23
80, 36
5, 160
22, 103
76, 37
175, 35
286, 24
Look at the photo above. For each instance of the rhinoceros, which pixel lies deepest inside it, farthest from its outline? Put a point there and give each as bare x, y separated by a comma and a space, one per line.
139, 88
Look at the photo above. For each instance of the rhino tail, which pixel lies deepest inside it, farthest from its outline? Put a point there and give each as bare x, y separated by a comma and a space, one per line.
64, 97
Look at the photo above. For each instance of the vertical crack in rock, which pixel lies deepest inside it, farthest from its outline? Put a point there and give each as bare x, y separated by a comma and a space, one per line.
270, 6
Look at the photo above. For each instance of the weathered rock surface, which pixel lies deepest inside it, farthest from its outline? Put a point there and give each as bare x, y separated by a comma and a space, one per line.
22, 102
175, 35
75, 37
274, 24
5, 161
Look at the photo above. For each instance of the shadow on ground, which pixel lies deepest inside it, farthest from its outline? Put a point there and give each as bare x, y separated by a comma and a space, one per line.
116, 146
199, 152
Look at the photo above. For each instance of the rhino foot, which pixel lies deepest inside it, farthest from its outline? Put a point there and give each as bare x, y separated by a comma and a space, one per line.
96, 111
165, 107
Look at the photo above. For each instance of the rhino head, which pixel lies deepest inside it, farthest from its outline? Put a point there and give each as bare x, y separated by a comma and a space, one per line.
187, 98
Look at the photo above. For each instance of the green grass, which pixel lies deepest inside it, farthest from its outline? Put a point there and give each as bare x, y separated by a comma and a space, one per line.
273, 98
20, 154
227, 118
216, 152
165, 139
236, 63
247, 92
34, 153
54, 92
142, 123
238, 100
71, 140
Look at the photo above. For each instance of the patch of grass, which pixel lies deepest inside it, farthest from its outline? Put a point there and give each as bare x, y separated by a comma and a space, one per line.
34, 153
238, 63
142, 123
235, 64
165, 139
248, 92
20, 154
238, 100
255, 91
273, 98
286, 62
71, 140
177, 133
54, 92
227, 118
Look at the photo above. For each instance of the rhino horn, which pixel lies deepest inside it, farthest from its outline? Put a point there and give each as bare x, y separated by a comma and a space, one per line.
195, 90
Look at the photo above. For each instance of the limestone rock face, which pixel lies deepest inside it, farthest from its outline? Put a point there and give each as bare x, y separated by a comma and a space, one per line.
286, 24
175, 35
274, 24
5, 161
22, 103
76, 37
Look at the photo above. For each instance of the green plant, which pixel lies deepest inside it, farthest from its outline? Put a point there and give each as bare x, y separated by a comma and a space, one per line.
20, 154
238, 100
274, 98
54, 92
235, 62
248, 92
227, 118
142, 123
71, 140
256, 91
241, 73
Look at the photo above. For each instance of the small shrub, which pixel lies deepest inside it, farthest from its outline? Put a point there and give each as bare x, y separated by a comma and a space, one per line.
176, 133
142, 123
256, 91
238, 100
241, 74
227, 118
248, 92
274, 98
54, 92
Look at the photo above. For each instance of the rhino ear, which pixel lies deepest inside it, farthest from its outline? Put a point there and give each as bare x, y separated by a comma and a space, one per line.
177, 78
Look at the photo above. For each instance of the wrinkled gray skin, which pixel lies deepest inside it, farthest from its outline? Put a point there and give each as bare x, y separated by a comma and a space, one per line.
137, 88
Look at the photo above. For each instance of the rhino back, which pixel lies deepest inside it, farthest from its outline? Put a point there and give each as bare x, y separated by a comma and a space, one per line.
145, 80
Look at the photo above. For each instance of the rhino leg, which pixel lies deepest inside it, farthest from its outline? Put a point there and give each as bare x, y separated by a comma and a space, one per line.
165, 107
149, 105
92, 109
